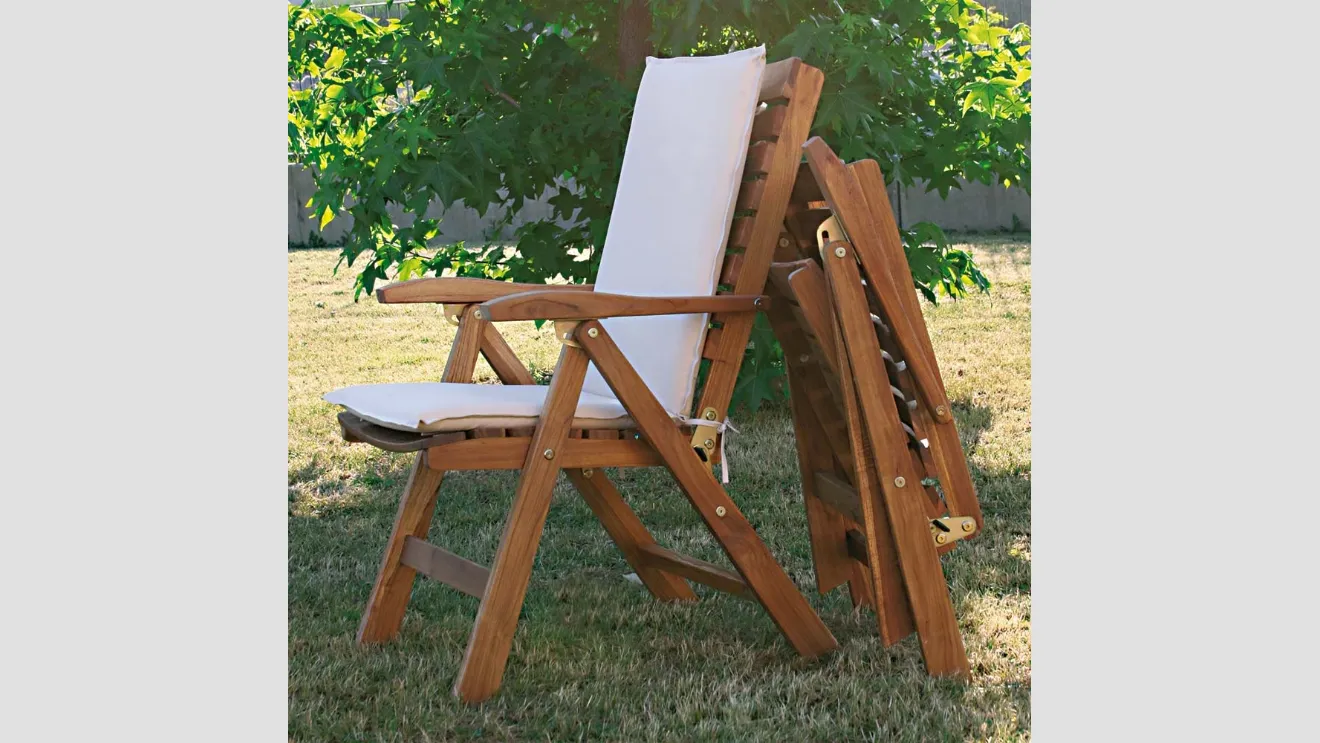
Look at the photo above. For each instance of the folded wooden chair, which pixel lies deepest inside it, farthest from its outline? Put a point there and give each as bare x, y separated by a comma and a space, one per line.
711, 159
884, 478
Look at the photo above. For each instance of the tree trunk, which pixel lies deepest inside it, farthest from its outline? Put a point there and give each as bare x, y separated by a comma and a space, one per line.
634, 35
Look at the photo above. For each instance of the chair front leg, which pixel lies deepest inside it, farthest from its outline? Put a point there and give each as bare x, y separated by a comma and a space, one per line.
492, 634
394, 582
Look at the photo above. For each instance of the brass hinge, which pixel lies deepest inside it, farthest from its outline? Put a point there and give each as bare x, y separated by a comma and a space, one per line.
703, 437
829, 231
564, 332
453, 312
952, 528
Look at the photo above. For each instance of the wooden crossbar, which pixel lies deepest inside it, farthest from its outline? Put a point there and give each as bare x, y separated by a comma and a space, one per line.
445, 567
705, 573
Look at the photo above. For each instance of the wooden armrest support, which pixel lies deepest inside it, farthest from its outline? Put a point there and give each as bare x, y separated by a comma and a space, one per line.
589, 305
459, 290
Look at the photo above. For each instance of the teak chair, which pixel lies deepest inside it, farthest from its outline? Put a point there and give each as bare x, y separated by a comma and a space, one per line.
712, 156
874, 429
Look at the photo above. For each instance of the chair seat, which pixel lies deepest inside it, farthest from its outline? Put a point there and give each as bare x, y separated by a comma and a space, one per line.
435, 407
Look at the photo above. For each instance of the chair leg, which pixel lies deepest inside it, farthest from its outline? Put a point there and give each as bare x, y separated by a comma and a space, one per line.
492, 634
767, 580
389, 597
628, 533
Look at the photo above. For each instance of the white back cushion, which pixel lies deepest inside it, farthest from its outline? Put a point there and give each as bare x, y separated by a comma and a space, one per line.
682, 170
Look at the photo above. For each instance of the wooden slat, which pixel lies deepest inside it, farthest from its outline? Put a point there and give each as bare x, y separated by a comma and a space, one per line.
492, 634
759, 157
769, 123
749, 196
732, 266
705, 573
740, 234
805, 82
876, 418
805, 188
777, 80
445, 566
838, 494
509, 454
711, 347
755, 563
825, 526
856, 544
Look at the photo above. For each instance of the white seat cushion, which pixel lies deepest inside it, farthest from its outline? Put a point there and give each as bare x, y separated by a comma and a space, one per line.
681, 173
442, 406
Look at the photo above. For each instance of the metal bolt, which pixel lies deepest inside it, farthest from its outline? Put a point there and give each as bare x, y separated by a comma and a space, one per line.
840, 251
968, 526
592, 332
804, 358
720, 511
708, 443
939, 410
756, 302
940, 539
710, 415
783, 242
476, 314
588, 472
899, 482
549, 453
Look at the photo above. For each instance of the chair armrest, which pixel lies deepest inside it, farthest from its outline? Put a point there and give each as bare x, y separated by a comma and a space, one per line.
590, 305
460, 290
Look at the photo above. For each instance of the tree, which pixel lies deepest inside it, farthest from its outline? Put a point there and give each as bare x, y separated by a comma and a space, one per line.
494, 102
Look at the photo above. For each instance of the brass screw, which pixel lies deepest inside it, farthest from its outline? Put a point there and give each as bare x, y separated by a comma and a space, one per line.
708, 443
476, 314
968, 526
899, 482
840, 251
940, 539
588, 472
592, 332
783, 242
710, 415
549, 453
720, 511
939, 410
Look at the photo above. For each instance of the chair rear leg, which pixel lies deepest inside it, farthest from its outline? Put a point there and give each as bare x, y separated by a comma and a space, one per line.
389, 597
628, 533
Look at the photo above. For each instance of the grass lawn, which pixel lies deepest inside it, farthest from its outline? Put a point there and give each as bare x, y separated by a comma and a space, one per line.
595, 657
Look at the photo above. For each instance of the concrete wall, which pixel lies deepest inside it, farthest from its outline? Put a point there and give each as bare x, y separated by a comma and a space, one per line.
975, 207
458, 223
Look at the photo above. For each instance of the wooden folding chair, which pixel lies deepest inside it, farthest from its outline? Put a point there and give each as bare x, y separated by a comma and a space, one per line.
573, 430
884, 478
